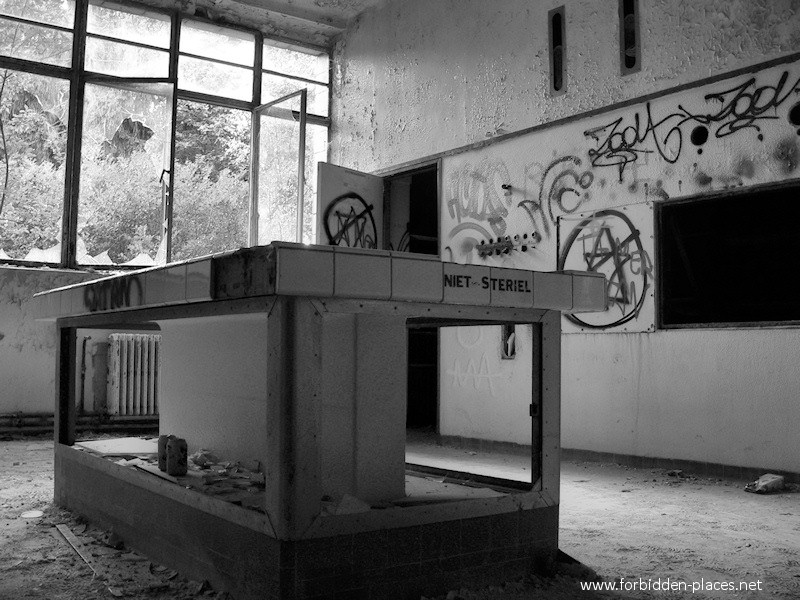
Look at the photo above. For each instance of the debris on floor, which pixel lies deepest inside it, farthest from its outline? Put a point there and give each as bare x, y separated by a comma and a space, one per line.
122, 571
766, 484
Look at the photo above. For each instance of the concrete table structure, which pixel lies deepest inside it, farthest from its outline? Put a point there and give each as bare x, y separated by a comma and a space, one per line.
295, 356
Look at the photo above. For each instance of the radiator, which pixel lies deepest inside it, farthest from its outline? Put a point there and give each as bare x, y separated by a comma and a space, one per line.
133, 360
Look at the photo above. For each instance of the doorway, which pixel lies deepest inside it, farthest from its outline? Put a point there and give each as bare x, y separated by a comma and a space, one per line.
411, 224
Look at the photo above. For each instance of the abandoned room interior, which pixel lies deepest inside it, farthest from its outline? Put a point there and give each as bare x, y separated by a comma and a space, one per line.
330, 252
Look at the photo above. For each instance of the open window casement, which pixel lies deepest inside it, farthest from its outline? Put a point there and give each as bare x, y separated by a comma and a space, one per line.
279, 210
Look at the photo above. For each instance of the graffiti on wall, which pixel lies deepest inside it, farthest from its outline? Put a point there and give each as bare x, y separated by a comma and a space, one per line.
714, 137
483, 204
561, 189
478, 203
111, 294
627, 138
608, 242
475, 374
348, 221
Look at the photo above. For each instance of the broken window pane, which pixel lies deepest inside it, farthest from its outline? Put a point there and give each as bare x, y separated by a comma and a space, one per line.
34, 112
125, 150
212, 187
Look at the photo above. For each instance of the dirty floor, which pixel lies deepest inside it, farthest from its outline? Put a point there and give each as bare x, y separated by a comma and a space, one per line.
631, 526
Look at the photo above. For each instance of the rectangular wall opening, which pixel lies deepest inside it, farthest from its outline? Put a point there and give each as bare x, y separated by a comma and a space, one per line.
723, 260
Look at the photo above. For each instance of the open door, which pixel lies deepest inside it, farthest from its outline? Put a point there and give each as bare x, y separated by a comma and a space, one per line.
349, 207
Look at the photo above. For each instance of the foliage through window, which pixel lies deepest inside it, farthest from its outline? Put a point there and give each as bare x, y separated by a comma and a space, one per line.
127, 193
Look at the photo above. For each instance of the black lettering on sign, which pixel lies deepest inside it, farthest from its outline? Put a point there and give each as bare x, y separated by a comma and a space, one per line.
506, 285
460, 281
112, 293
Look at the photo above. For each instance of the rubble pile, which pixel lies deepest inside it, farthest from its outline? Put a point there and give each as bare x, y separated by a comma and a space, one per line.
241, 483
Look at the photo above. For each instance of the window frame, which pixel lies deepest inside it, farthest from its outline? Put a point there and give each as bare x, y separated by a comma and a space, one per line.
661, 233
78, 77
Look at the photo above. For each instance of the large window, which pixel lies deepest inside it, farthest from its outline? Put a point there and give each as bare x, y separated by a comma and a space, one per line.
154, 161
212, 167
34, 112
722, 260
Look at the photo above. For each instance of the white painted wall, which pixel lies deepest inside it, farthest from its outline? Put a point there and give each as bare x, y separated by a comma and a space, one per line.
27, 346
416, 78
213, 387
482, 395
718, 396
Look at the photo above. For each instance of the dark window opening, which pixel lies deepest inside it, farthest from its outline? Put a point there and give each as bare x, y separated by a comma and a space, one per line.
423, 379
423, 222
629, 37
723, 261
557, 50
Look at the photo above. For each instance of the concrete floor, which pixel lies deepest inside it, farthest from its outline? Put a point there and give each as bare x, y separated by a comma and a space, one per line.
639, 526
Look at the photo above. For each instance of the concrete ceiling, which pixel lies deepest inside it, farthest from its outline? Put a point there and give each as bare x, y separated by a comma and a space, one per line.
313, 21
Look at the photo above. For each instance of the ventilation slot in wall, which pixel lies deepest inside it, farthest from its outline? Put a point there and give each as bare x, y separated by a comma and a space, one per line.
558, 52
629, 37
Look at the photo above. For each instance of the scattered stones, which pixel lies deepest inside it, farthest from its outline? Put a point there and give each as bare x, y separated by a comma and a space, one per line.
766, 484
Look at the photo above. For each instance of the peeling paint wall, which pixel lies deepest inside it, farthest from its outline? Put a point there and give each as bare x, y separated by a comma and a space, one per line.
415, 79
27, 346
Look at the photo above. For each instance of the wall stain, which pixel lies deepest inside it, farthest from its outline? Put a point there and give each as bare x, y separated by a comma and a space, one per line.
703, 179
786, 153
745, 168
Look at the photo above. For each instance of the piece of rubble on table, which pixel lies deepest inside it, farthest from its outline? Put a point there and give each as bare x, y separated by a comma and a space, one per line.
241, 483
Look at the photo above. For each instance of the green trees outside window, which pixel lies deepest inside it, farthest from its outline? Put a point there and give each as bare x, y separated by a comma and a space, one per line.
163, 151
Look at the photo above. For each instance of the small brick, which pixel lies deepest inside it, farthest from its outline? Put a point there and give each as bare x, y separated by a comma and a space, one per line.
475, 534
359, 594
371, 550
319, 557
505, 530
384, 590
402, 572
515, 569
474, 559
479, 577
450, 564
404, 545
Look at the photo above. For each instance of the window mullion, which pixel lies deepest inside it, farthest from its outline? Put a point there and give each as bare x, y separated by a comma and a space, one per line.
69, 226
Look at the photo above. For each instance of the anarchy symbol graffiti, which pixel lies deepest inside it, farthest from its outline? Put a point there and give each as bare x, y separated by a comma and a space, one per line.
348, 221
607, 242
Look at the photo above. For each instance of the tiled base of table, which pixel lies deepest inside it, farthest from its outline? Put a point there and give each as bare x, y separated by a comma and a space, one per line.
231, 548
